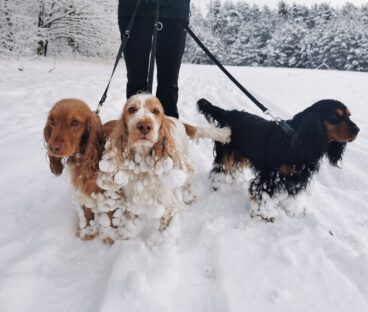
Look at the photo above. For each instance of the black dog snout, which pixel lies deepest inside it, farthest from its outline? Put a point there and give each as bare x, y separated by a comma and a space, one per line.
355, 129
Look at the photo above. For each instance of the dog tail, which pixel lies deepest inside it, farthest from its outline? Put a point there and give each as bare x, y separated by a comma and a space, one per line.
222, 135
211, 113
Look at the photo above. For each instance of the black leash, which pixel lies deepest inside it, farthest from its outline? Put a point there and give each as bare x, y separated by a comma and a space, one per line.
124, 41
282, 123
151, 68
158, 26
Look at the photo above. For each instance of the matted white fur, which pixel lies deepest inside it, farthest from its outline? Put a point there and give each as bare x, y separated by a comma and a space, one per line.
152, 190
145, 192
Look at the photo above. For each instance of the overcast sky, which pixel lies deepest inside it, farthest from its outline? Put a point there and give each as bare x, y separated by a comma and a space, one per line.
273, 3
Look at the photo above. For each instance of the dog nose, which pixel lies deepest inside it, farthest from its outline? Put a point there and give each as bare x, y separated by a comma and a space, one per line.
355, 129
55, 148
144, 127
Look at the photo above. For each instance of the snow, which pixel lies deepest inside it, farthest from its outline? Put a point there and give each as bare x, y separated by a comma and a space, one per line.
152, 189
214, 257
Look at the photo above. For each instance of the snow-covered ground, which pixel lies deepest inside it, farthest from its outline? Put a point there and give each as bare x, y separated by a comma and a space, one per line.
222, 260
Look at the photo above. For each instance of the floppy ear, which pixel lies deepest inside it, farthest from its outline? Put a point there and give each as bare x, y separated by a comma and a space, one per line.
56, 166
119, 139
334, 152
92, 142
310, 140
165, 146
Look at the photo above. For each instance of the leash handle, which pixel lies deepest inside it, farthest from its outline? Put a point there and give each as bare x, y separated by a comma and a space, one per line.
124, 42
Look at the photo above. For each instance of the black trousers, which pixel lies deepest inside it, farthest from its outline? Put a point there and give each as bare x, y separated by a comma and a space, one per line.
169, 53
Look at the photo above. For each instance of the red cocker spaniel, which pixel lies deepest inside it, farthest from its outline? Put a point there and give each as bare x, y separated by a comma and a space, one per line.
74, 132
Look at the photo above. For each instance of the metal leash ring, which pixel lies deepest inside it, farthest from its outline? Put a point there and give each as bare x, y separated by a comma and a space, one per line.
159, 26
127, 34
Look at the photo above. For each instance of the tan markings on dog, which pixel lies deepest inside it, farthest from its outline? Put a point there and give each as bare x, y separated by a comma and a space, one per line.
130, 108
155, 107
88, 214
165, 146
347, 112
339, 112
85, 237
119, 140
108, 241
286, 170
254, 200
109, 127
338, 132
190, 130
234, 161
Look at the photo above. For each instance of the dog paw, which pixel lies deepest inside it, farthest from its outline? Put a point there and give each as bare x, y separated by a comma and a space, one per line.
108, 241
255, 214
130, 227
265, 209
166, 220
88, 232
188, 197
292, 208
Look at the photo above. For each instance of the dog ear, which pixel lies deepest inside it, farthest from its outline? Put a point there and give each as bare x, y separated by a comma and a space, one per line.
310, 139
335, 151
92, 142
47, 132
165, 146
119, 139
56, 166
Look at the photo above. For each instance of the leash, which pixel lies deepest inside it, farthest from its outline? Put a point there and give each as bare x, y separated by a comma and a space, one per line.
282, 123
157, 26
124, 41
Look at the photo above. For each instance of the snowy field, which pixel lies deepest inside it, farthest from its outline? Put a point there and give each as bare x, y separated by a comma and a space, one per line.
222, 260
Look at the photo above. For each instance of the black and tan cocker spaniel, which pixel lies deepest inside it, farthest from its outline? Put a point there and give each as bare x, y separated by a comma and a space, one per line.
281, 163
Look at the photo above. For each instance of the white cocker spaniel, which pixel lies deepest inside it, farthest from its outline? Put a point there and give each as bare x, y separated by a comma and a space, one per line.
146, 163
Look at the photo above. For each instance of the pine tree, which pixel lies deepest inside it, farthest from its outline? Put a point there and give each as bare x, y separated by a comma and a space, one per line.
193, 53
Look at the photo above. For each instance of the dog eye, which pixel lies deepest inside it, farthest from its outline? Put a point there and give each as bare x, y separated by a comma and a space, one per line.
132, 109
155, 111
75, 123
52, 121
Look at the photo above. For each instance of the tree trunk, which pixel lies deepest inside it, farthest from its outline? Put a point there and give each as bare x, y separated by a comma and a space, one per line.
9, 37
41, 44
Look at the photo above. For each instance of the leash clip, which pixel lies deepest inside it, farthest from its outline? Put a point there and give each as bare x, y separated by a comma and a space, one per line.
282, 123
274, 118
127, 34
159, 26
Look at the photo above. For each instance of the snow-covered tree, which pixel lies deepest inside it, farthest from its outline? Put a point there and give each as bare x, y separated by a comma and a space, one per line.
63, 26
193, 53
292, 35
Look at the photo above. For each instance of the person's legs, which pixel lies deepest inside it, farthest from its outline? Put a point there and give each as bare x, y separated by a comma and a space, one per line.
137, 52
170, 49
